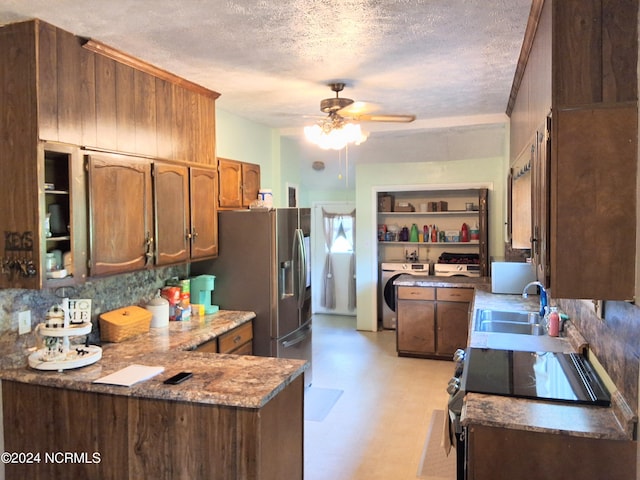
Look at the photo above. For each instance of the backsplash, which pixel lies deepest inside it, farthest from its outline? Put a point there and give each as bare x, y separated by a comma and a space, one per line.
106, 294
615, 341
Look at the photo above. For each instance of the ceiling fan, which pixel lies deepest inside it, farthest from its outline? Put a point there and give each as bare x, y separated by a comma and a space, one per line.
347, 109
340, 127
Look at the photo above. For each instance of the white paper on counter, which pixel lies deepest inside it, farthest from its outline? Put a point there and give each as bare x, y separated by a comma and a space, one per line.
130, 375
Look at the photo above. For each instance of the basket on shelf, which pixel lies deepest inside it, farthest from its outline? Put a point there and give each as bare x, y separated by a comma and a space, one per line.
124, 323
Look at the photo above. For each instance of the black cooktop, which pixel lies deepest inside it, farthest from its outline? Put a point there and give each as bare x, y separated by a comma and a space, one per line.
564, 377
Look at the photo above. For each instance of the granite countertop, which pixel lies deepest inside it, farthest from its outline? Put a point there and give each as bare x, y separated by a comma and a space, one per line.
616, 422
231, 380
433, 281
536, 415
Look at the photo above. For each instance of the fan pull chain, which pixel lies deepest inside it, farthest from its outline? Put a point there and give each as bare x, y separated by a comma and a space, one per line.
346, 167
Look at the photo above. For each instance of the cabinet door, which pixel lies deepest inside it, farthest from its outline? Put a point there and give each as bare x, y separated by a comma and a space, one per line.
453, 325
540, 203
125, 108
106, 118
119, 213
145, 113
250, 183
594, 200
171, 189
204, 214
230, 183
415, 330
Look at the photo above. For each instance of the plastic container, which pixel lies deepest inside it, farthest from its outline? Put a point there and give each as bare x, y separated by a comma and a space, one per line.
124, 323
159, 308
474, 233
266, 196
553, 322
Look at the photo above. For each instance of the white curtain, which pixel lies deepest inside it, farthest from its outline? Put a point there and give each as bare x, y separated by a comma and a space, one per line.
333, 227
352, 264
328, 297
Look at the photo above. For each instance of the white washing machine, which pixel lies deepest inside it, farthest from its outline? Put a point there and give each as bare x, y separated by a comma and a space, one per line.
389, 271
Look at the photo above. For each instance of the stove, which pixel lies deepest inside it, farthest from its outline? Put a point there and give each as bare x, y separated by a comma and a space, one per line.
561, 377
457, 265
548, 376
456, 270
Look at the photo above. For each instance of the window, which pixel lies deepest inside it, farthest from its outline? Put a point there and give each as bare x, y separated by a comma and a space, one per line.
342, 235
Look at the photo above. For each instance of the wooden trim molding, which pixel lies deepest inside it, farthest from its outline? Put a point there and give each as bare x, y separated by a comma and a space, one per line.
527, 44
115, 54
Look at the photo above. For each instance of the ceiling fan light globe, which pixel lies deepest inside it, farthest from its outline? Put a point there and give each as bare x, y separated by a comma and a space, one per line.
335, 138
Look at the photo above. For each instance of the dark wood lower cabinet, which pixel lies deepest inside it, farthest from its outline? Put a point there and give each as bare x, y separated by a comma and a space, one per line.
432, 322
500, 453
119, 437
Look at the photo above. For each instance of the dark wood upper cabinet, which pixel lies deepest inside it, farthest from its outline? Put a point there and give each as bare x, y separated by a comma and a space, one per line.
60, 94
578, 68
92, 95
186, 213
239, 183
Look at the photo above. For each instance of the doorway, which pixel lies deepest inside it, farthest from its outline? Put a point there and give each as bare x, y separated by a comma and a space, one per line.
333, 258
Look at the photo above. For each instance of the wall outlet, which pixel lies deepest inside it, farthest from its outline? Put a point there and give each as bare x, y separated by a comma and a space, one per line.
24, 322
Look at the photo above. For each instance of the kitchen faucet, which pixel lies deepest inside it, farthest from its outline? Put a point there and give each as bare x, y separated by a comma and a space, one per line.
543, 295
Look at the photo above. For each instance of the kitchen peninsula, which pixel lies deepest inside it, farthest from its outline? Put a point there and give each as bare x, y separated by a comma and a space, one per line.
238, 417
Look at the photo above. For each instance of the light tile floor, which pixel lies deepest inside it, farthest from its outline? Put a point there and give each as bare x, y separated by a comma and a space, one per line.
378, 427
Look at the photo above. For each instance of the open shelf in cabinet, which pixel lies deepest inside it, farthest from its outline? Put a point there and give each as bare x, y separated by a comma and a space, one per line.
57, 215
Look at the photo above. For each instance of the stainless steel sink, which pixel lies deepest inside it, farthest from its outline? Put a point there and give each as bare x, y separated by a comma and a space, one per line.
524, 323
502, 316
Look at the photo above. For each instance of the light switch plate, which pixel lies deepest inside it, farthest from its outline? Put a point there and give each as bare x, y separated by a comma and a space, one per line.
24, 322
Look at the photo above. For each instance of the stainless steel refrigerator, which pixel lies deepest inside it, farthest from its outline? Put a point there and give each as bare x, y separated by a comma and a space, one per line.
263, 266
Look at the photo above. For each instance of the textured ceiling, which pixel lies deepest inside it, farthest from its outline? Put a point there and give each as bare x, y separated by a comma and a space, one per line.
271, 60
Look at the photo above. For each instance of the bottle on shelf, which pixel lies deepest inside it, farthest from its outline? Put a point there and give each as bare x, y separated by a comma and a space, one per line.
413, 236
464, 233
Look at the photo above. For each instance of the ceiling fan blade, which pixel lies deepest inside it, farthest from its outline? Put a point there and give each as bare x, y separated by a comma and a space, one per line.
383, 118
358, 108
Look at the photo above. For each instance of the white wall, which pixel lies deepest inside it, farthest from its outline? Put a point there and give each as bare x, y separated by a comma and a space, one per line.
371, 179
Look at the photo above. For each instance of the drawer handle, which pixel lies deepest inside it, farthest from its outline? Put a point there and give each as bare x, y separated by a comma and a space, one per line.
237, 339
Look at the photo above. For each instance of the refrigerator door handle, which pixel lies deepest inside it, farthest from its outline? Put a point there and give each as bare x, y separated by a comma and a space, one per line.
301, 267
304, 333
